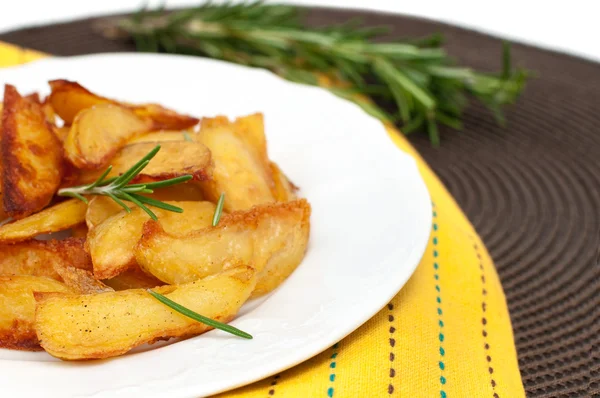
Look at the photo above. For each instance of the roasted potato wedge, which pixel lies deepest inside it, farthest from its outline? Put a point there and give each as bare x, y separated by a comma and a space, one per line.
17, 309
56, 218
111, 243
283, 189
32, 162
39, 258
98, 133
240, 170
109, 324
274, 234
68, 99
133, 279
80, 280
175, 159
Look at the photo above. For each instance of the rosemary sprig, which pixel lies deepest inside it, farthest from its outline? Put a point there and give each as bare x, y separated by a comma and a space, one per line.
197, 317
218, 210
416, 79
119, 188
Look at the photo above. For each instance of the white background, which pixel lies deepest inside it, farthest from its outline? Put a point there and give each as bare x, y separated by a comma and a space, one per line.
568, 26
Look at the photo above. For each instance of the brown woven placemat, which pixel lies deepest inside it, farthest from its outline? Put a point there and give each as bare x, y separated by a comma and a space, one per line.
531, 189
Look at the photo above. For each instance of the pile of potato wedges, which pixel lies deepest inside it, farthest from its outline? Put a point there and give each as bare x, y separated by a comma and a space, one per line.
74, 275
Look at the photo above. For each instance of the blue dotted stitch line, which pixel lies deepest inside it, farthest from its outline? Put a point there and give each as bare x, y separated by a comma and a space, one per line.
438, 300
330, 390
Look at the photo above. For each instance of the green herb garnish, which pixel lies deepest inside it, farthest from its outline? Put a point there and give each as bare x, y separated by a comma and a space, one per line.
197, 317
218, 210
416, 79
187, 137
119, 189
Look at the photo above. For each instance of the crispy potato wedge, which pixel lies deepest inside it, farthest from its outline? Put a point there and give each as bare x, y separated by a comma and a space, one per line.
112, 242
164, 136
69, 98
56, 218
105, 325
175, 159
239, 164
274, 231
31, 155
17, 309
283, 190
80, 280
98, 133
39, 258
133, 279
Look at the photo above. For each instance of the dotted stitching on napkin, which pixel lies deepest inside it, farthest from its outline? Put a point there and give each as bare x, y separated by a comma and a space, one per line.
438, 300
392, 344
484, 293
332, 365
273, 384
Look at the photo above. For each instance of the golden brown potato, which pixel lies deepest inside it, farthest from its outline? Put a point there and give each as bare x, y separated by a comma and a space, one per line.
109, 324
275, 235
98, 133
32, 162
283, 190
240, 171
133, 279
80, 280
111, 243
69, 98
175, 159
39, 258
17, 309
56, 218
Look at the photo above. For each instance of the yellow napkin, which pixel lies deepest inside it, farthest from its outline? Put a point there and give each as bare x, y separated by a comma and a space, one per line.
446, 334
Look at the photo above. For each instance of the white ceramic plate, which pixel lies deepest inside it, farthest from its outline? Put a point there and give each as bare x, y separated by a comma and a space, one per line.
370, 224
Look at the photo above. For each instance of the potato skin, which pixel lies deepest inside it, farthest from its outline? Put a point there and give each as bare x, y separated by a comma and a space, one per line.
31, 155
75, 327
17, 309
59, 217
271, 238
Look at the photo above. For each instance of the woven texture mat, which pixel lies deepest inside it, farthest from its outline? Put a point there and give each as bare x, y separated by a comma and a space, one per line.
532, 189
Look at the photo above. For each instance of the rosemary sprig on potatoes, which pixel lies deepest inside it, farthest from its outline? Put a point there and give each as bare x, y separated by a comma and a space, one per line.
119, 189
